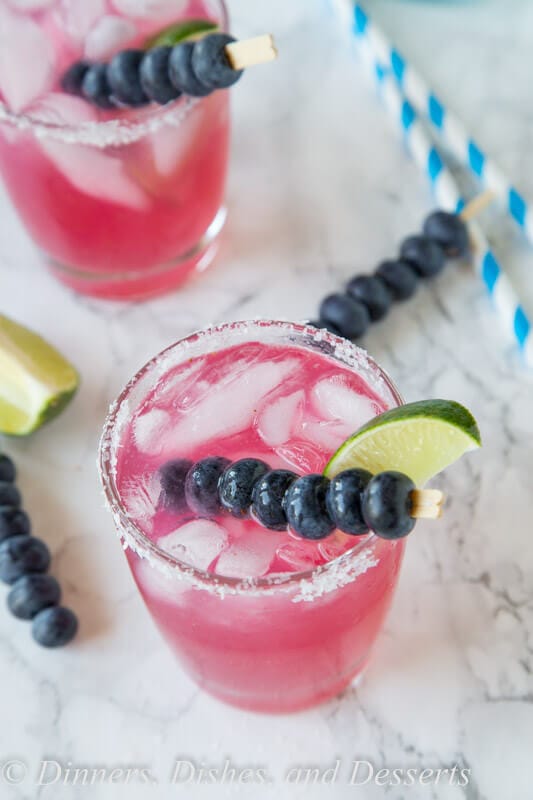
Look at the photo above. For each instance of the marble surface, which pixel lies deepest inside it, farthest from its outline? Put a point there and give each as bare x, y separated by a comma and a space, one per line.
320, 188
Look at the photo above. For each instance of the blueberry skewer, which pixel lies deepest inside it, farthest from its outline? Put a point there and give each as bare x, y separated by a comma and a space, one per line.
313, 506
161, 74
368, 298
24, 561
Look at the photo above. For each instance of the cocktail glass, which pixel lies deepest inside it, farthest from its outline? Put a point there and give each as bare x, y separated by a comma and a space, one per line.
283, 640
123, 204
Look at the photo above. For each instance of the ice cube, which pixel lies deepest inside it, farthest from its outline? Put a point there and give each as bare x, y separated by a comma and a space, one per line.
329, 434
150, 9
197, 543
334, 399
27, 60
303, 457
150, 429
107, 36
30, 5
299, 556
334, 546
91, 170
77, 17
226, 407
250, 556
140, 497
278, 418
157, 584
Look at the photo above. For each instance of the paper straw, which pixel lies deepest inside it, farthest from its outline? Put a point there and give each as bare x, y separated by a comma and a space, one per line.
427, 156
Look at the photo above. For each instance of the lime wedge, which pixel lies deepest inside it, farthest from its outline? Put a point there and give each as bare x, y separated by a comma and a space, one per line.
187, 29
419, 439
36, 382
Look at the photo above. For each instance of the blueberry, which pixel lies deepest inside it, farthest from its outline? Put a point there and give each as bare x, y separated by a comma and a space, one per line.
123, 76
181, 72
210, 63
7, 469
372, 292
349, 316
31, 593
13, 522
72, 80
95, 86
344, 499
21, 555
9, 495
400, 278
201, 485
154, 76
267, 498
323, 323
54, 627
387, 505
237, 484
172, 476
306, 508
425, 255
449, 231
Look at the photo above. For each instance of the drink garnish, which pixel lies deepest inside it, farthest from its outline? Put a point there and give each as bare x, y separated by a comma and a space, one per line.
192, 57
36, 381
370, 483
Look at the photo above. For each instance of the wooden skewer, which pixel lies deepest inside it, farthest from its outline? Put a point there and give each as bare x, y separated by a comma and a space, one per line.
477, 205
248, 52
426, 503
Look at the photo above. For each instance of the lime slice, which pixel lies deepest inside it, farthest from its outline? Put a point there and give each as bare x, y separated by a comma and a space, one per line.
36, 382
419, 439
190, 29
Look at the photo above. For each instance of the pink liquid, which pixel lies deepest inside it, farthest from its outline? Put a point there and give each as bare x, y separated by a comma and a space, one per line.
128, 219
284, 649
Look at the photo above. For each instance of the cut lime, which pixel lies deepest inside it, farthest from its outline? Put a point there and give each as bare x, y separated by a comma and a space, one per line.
189, 29
36, 382
419, 439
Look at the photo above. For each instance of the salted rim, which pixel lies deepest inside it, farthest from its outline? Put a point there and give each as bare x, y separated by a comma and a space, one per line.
311, 583
113, 132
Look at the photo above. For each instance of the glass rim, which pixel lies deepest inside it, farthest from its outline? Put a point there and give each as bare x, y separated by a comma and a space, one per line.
111, 132
344, 568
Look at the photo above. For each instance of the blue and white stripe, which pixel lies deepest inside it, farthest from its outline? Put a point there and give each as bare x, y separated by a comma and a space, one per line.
445, 187
453, 133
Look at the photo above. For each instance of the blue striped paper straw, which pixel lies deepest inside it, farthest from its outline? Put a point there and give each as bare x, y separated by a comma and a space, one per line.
453, 133
427, 156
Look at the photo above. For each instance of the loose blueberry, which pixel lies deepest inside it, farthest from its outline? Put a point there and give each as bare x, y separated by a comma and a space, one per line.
425, 255
237, 483
323, 323
387, 505
22, 555
8, 471
155, 80
344, 500
31, 593
54, 627
201, 485
72, 80
95, 87
9, 495
449, 231
181, 72
267, 498
123, 76
210, 63
306, 508
350, 317
372, 292
13, 522
172, 476
399, 277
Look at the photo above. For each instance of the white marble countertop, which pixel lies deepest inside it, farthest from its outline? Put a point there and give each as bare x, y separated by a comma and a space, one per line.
320, 189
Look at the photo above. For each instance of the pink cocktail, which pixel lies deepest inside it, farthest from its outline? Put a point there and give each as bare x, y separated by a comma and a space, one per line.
123, 203
260, 618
